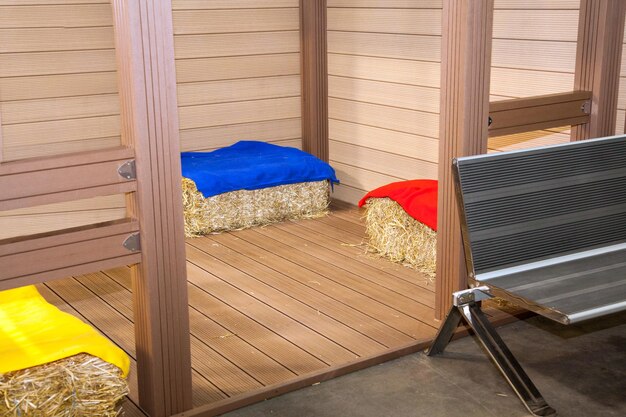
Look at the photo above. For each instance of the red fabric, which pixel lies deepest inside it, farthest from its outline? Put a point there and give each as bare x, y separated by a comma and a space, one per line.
417, 197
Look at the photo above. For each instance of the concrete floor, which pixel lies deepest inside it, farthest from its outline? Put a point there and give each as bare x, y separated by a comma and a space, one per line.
580, 370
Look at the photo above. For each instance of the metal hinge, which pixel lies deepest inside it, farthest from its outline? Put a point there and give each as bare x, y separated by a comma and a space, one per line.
586, 107
133, 242
472, 295
128, 170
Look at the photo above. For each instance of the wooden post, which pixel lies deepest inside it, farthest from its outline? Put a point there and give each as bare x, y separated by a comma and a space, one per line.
145, 50
598, 60
465, 72
314, 77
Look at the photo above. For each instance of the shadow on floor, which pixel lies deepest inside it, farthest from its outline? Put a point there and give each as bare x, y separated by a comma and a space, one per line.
580, 370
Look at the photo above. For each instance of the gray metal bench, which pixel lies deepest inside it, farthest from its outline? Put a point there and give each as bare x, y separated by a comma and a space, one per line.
545, 229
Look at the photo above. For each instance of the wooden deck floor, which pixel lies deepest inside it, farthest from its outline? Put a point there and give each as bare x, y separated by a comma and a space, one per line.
273, 308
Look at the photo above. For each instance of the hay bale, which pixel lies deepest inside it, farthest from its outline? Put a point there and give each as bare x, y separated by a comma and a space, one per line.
81, 385
392, 233
247, 208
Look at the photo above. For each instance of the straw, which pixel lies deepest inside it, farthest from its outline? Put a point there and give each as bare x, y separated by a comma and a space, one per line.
81, 385
242, 209
392, 233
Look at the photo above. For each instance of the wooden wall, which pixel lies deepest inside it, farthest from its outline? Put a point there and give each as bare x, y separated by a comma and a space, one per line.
534, 53
238, 71
58, 94
383, 65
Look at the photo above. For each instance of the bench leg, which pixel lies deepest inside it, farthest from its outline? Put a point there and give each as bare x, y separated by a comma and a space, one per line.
497, 350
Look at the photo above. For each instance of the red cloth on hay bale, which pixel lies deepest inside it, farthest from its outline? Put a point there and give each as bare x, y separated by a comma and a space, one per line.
417, 197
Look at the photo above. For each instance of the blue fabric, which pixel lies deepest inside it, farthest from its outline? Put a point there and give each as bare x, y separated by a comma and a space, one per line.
251, 165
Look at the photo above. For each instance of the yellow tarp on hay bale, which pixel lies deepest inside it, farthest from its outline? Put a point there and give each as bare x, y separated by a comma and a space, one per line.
43, 370
34, 332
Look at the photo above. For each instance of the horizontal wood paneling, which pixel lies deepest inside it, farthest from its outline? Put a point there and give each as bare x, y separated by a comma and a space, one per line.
58, 94
238, 72
384, 71
59, 216
621, 99
534, 53
231, 4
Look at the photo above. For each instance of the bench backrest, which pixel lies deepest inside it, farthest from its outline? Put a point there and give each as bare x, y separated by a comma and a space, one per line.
525, 206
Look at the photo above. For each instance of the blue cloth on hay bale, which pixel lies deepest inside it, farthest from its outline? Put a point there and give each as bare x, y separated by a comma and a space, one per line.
251, 165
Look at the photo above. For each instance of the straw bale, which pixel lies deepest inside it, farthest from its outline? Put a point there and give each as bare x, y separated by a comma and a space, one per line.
247, 208
392, 233
81, 385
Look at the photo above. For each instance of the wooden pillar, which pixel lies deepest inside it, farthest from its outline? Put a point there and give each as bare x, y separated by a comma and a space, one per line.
598, 60
465, 72
147, 83
314, 72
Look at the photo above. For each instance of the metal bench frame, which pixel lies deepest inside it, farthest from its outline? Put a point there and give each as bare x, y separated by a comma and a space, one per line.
543, 276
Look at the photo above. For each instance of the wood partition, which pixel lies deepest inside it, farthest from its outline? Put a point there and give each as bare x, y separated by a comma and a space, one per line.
465, 71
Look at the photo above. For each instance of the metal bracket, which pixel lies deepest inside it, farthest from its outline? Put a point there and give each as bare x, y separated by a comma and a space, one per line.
132, 242
586, 107
128, 170
472, 295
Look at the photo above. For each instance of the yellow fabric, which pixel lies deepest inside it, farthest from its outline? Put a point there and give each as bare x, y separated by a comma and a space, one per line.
34, 332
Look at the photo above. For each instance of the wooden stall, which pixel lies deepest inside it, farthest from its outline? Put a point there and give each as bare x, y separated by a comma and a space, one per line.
98, 98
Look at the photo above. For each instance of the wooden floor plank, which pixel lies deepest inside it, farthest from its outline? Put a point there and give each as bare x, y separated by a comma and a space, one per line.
285, 352
345, 287
321, 256
322, 301
273, 307
311, 341
351, 245
246, 357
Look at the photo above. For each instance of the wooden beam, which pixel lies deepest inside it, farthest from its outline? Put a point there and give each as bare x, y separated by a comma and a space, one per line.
38, 258
62, 178
147, 81
598, 60
314, 77
540, 112
465, 72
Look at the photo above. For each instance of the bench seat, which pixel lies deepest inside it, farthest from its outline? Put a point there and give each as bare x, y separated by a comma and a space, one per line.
566, 289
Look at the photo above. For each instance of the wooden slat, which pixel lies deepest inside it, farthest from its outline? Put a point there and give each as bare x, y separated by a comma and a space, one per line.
144, 40
220, 136
313, 33
50, 63
217, 45
55, 39
541, 112
598, 59
385, 69
388, 163
418, 47
534, 23
223, 91
465, 73
235, 20
384, 20
404, 4
393, 118
231, 4
385, 93
39, 87
59, 15
27, 111
63, 178
240, 112
38, 258
525, 54
406, 144
225, 68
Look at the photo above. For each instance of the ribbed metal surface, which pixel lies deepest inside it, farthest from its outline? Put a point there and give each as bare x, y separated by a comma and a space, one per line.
530, 205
